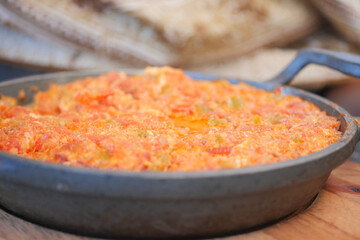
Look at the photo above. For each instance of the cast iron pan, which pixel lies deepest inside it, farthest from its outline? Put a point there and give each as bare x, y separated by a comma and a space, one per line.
119, 204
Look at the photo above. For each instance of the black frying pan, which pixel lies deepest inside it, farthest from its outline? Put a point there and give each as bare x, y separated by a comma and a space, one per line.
174, 204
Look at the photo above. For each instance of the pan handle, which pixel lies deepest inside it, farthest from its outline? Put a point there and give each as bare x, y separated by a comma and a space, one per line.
343, 62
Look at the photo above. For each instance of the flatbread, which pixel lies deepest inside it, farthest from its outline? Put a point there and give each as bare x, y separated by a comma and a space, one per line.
176, 32
23, 44
344, 15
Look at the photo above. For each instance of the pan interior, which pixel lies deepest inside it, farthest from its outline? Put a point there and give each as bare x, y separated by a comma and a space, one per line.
42, 82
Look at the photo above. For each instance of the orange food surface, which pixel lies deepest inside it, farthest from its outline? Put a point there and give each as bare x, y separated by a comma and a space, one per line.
163, 121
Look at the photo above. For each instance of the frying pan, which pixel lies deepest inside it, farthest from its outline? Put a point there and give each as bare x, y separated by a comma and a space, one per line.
125, 204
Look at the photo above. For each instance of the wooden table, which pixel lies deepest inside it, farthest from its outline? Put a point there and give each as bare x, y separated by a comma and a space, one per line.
334, 215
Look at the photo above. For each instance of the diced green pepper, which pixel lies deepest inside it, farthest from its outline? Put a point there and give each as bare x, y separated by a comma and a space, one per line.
235, 102
275, 118
297, 140
213, 121
142, 133
256, 119
201, 109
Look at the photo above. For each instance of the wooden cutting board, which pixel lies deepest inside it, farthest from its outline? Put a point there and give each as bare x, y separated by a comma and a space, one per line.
335, 214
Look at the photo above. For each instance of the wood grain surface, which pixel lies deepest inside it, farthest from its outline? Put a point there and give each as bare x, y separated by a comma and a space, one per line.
334, 215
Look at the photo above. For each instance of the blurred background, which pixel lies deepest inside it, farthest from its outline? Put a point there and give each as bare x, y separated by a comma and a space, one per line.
251, 39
